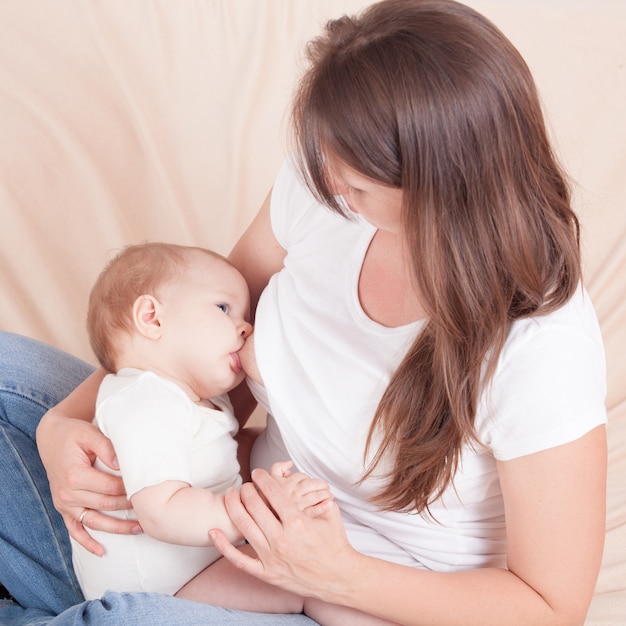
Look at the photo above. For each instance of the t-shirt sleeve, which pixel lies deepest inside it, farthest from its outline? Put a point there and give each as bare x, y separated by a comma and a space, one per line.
547, 391
291, 201
151, 427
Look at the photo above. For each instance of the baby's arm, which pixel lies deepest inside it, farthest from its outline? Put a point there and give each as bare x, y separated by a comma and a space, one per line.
175, 512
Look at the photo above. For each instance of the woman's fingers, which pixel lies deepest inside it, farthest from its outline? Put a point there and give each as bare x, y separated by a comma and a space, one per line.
74, 482
295, 550
68, 448
312, 494
88, 439
253, 516
244, 562
82, 518
94, 491
105, 491
315, 504
319, 509
82, 480
88, 488
99, 521
102, 447
274, 493
307, 483
77, 531
80, 490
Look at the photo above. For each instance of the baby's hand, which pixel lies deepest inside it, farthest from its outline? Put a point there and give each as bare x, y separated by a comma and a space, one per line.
281, 469
311, 495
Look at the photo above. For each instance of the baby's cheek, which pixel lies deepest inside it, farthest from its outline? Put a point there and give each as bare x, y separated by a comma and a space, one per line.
248, 360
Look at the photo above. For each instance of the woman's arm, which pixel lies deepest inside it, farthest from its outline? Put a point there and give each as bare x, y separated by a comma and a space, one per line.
68, 444
257, 254
555, 511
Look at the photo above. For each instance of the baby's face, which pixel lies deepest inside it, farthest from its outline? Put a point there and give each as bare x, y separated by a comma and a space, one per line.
205, 325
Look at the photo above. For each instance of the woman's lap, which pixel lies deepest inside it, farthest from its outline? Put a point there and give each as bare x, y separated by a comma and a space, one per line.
146, 609
35, 555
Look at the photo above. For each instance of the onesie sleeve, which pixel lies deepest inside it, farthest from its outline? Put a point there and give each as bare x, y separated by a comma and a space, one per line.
151, 426
549, 389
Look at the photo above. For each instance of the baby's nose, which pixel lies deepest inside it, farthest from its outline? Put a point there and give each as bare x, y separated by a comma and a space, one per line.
245, 330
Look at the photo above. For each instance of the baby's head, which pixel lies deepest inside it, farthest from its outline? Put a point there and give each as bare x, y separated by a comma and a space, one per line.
179, 310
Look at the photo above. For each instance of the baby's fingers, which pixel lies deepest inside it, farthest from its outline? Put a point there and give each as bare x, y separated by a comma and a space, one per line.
281, 469
313, 484
303, 483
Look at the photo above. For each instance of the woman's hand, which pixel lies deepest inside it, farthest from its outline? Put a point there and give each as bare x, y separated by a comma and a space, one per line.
68, 448
295, 551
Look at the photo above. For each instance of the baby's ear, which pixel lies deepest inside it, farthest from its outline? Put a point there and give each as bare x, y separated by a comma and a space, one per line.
146, 316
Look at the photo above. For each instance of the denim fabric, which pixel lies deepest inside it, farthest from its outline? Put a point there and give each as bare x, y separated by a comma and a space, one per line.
12, 614
150, 609
145, 609
35, 555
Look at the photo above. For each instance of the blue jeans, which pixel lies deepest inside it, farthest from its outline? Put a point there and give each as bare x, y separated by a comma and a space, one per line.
35, 554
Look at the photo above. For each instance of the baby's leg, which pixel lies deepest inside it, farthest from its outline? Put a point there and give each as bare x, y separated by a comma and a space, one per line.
222, 584
335, 615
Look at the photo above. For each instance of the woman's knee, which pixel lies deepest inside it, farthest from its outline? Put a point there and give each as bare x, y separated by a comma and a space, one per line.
34, 377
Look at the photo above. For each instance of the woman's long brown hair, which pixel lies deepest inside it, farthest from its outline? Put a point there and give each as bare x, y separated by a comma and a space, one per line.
430, 97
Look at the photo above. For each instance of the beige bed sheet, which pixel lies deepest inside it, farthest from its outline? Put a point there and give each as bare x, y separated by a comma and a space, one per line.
123, 121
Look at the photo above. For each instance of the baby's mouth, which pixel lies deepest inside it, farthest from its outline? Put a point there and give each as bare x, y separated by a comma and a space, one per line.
236, 362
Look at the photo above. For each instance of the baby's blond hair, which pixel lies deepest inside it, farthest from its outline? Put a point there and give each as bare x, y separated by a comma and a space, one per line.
137, 270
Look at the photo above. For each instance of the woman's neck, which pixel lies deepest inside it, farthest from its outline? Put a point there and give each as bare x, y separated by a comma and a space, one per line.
386, 290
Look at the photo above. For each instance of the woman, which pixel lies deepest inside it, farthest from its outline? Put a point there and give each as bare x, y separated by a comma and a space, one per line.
426, 345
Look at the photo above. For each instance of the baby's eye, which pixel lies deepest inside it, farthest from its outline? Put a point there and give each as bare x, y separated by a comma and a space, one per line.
223, 307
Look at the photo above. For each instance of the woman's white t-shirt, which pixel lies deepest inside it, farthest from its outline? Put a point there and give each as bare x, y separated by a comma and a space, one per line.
325, 365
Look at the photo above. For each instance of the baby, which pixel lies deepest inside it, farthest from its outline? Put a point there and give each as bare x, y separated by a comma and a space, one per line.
169, 322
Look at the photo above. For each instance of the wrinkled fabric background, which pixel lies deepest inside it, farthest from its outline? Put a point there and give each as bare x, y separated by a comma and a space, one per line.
126, 121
